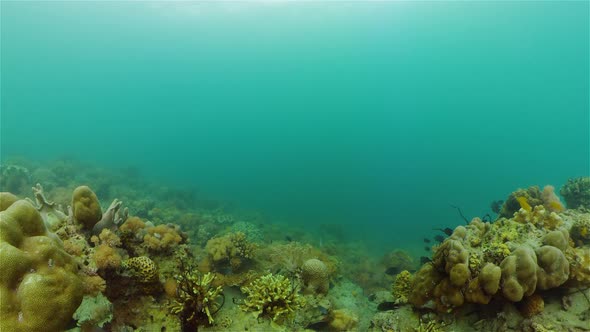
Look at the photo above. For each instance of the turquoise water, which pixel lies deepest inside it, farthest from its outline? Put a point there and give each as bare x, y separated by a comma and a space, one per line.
371, 115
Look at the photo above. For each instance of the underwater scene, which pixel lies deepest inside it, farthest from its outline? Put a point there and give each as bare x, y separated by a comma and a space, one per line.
274, 165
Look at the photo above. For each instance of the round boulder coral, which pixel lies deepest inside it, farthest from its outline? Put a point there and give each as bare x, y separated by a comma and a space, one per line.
519, 274
86, 207
315, 276
554, 269
39, 284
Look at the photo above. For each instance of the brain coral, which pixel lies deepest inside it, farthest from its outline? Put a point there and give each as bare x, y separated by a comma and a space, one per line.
39, 285
315, 276
142, 268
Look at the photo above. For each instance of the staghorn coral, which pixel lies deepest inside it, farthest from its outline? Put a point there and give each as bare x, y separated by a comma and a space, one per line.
197, 301
576, 193
39, 284
272, 296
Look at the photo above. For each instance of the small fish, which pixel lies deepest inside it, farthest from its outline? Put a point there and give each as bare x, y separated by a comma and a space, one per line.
393, 271
424, 260
318, 326
427, 248
496, 206
426, 240
385, 306
446, 230
288, 238
439, 238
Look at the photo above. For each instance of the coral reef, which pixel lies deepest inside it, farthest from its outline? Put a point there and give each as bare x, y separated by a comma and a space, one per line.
197, 301
39, 285
272, 296
467, 267
94, 311
576, 193
232, 249
142, 268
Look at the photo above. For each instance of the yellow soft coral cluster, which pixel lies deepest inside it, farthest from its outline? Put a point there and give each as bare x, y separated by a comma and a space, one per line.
539, 216
162, 238
232, 248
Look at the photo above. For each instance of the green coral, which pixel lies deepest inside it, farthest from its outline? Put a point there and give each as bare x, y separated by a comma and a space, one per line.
94, 311
402, 287
576, 192
272, 296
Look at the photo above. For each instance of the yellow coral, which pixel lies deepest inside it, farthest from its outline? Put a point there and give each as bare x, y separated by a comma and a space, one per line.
39, 284
523, 203
402, 287
142, 268
161, 237
106, 257
272, 296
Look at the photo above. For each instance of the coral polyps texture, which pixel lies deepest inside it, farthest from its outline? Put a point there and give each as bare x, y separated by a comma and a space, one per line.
39, 285
510, 259
272, 296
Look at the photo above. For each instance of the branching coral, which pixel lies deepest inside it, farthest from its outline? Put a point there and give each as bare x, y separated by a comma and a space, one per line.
272, 296
197, 300
113, 216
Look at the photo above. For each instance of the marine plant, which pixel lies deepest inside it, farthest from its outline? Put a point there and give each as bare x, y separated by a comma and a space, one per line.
197, 300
